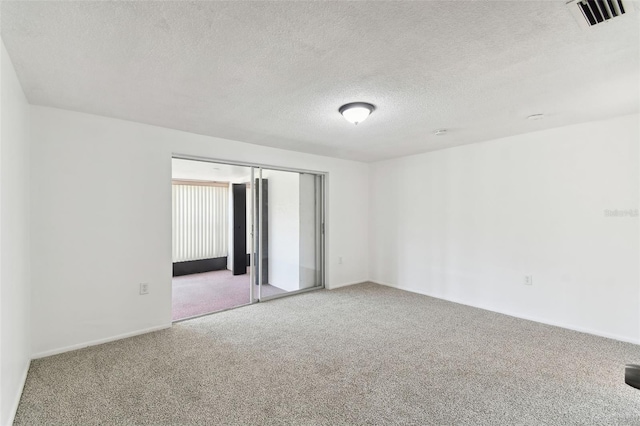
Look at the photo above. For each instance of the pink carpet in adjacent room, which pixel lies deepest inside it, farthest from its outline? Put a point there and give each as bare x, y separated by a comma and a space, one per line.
208, 292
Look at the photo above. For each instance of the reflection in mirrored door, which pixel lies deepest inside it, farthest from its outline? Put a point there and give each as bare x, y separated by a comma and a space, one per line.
243, 234
288, 222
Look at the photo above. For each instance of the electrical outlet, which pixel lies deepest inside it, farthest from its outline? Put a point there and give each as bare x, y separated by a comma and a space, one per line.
528, 280
144, 288
340, 260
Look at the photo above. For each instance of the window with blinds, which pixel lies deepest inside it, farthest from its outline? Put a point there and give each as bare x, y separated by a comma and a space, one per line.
200, 220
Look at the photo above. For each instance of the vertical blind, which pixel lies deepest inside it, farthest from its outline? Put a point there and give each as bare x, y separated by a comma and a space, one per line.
200, 226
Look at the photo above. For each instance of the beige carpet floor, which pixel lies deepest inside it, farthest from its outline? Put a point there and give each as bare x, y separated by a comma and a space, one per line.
364, 354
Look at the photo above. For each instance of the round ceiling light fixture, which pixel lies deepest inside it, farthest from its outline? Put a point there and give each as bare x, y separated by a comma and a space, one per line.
356, 112
440, 132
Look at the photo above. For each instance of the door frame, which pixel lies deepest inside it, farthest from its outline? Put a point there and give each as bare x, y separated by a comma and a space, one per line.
323, 218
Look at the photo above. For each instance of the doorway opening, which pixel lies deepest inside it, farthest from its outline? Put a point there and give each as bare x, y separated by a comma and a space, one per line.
243, 234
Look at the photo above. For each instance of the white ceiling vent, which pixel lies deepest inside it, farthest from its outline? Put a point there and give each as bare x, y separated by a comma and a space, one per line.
593, 12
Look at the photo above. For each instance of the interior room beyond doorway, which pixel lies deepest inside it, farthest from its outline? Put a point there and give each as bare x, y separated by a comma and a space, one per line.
221, 212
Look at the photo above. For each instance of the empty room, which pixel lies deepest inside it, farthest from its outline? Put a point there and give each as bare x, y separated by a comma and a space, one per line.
320, 213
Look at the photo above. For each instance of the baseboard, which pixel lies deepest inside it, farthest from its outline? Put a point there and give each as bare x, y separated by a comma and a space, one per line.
99, 341
199, 266
333, 287
16, 402
517, 315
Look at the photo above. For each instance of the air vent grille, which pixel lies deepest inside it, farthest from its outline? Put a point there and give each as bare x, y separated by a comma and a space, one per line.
597, 11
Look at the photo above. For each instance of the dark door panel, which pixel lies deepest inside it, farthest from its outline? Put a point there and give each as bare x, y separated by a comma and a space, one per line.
239, 229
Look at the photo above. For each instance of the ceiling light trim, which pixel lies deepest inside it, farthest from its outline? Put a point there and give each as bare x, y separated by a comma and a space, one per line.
359, 108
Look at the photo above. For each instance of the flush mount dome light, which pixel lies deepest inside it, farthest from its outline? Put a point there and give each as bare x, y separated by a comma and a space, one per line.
356, 112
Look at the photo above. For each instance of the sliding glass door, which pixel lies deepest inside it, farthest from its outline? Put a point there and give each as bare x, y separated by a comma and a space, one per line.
242, 234
288, 235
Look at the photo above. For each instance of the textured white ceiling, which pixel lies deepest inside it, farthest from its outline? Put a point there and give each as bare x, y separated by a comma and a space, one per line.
275, 73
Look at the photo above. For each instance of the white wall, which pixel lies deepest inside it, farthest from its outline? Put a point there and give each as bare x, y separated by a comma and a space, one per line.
15, 348
102, 222
284, 228
468, 223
